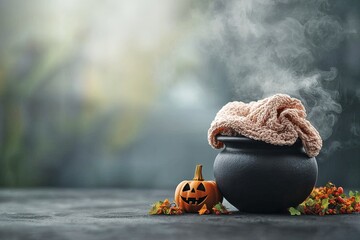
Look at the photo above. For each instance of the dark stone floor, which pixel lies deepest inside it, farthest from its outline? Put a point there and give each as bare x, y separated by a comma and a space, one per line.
122, 214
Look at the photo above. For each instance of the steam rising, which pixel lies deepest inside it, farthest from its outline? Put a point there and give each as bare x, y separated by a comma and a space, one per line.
274, 46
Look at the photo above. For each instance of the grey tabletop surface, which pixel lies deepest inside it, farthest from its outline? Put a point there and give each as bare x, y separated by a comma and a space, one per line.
123, 214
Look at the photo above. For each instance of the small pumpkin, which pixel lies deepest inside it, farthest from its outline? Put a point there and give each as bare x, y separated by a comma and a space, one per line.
192, 195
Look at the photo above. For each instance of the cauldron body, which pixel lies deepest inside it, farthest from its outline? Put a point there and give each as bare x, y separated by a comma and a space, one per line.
258, 177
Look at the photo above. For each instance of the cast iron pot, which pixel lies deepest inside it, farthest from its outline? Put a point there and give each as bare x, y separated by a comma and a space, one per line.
258, 177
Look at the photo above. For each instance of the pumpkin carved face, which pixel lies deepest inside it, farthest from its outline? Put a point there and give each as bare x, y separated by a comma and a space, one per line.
192, 195
193, 192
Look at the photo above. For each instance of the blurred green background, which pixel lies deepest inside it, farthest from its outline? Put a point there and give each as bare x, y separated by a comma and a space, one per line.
122, 93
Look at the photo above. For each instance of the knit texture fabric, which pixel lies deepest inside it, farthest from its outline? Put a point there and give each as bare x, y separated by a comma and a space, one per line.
278, 120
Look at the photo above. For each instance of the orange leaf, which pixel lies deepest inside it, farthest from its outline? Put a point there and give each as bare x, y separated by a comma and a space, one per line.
204, 210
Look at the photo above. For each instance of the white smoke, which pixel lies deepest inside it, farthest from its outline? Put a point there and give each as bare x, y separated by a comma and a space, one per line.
273, 47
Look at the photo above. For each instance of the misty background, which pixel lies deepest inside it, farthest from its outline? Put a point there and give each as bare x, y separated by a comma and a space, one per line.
122, 93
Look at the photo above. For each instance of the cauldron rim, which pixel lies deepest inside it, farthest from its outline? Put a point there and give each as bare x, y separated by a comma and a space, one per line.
241, 140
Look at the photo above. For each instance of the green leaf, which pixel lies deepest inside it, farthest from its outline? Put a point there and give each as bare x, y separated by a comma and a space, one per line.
351, 193
357, 196
218, 206
325, 203
310, 202
301, 209
329, 185
293, 211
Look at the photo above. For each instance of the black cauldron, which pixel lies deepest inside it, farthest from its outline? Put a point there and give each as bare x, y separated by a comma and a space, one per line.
258, 177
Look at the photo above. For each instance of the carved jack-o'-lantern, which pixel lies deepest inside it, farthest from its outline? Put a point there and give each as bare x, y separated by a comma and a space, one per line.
192, 195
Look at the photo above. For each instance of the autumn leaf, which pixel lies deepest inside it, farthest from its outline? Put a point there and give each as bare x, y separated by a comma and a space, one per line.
220, 209
325, 203
166, 208
355, 194
293, 211
310, 202
329, 200
155, 207
204, 210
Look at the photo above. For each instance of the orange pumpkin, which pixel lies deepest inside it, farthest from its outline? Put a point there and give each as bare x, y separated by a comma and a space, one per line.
192, 195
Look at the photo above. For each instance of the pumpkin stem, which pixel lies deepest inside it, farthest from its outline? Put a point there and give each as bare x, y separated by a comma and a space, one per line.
198, 173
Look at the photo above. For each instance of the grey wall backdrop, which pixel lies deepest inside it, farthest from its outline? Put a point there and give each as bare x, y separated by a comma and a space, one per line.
121, 94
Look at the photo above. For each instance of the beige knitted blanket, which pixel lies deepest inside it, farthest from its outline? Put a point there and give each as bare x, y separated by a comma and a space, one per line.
278, 120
